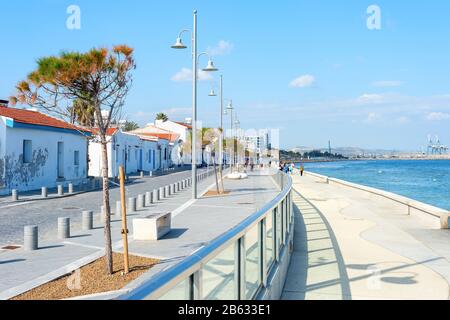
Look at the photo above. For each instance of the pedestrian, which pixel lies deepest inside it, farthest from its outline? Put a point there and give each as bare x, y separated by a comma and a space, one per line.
302, 170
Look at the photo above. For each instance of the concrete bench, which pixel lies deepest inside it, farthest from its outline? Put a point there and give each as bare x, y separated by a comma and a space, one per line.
153, 227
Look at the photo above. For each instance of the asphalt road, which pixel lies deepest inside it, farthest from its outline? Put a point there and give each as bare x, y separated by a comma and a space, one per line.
45, 214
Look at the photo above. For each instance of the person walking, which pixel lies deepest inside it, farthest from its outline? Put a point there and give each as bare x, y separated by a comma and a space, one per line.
302, 170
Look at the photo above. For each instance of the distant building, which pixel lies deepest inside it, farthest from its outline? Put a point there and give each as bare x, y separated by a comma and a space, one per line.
168, 141
135, 153
37, 150
184, 130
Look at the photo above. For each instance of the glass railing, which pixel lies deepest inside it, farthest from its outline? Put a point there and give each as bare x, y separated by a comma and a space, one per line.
235, 266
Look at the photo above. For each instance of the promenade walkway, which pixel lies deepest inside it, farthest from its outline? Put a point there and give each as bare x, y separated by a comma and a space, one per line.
350, 244
195, 223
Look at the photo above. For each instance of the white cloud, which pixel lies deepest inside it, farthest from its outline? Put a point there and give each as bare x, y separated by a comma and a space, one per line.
387, 84
185, 75
221, 49
303, 81
438, 116
370, 99
371, 117
403, 120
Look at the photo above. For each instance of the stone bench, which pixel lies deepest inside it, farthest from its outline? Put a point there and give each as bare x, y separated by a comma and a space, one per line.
153, 227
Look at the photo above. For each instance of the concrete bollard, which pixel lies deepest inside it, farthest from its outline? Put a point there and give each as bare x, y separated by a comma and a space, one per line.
63, 228
44, 192
167, 191
142, 175
148, 199
60, 190
14, 195
141, 201
151, 174
155, 195
118, 212
30, 238
131, 205
87, 220
171, 189
70, 188
162, 193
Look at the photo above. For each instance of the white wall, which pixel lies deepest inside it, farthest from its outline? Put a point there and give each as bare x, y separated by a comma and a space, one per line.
124, 149
43, 169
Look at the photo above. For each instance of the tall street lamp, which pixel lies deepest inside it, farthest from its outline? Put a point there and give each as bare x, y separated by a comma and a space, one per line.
222, 112
209, 68
229, 110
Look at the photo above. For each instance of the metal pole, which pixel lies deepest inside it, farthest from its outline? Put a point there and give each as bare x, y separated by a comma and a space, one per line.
221, 134
194, 108
233, 146
124, 221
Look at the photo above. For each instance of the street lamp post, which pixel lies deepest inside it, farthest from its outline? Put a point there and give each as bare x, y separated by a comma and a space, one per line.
230, 109
210, 67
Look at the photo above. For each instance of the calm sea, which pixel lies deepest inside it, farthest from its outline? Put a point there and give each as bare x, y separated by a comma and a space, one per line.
425, 181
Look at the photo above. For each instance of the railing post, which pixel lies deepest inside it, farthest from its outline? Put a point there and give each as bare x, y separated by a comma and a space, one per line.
263, 254
242, 257
198, 285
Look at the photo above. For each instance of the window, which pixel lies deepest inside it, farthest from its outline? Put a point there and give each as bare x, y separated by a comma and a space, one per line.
76, 158
27, 151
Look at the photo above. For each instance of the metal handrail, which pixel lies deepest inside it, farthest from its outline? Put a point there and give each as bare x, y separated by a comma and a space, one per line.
169, 278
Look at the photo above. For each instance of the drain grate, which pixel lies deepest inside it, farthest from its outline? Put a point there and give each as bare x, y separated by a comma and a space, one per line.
11, 247
71, 208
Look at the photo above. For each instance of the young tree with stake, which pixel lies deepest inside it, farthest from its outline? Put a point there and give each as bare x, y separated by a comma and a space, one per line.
89, 88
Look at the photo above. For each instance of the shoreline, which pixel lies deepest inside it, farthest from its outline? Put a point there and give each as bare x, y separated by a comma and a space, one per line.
356, 160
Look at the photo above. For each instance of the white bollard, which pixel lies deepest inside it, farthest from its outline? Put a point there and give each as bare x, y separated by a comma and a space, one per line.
44, 192
30, 239
14, 195
87, 220
63, 228
70, 188
60, 190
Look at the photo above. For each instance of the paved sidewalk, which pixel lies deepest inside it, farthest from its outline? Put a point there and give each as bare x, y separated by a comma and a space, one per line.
350, 244
194, 225
45, 213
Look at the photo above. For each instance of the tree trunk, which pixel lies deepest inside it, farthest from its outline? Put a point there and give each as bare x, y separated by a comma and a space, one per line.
107, 206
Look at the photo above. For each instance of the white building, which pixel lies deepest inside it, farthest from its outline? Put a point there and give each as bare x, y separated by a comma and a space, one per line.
183, 129
37, 151
168, 142
134, 152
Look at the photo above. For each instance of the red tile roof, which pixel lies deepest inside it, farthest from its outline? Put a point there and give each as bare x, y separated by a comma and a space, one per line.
37, 118
184, 125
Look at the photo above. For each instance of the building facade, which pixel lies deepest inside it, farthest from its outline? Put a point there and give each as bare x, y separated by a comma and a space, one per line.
134, 152
37, 151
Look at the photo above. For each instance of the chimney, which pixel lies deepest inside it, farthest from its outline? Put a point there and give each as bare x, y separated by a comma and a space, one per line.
4, 103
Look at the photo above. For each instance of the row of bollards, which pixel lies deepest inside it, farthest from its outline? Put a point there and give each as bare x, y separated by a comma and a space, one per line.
31, 233
44, 192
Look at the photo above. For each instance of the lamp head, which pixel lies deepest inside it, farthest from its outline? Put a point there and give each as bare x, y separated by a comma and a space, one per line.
210, 67
179, 44
212, 93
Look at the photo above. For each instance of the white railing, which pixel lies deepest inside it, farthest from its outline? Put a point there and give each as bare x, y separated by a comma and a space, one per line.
242, 264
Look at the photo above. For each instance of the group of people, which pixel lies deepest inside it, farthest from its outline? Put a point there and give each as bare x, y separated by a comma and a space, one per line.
290, 168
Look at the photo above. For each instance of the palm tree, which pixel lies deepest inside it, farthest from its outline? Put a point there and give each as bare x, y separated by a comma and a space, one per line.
162, 116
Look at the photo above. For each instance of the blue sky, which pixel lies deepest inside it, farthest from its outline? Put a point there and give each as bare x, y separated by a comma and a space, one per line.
310, 68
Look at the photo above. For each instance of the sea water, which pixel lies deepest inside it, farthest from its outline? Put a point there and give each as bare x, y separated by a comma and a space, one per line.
427, 181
